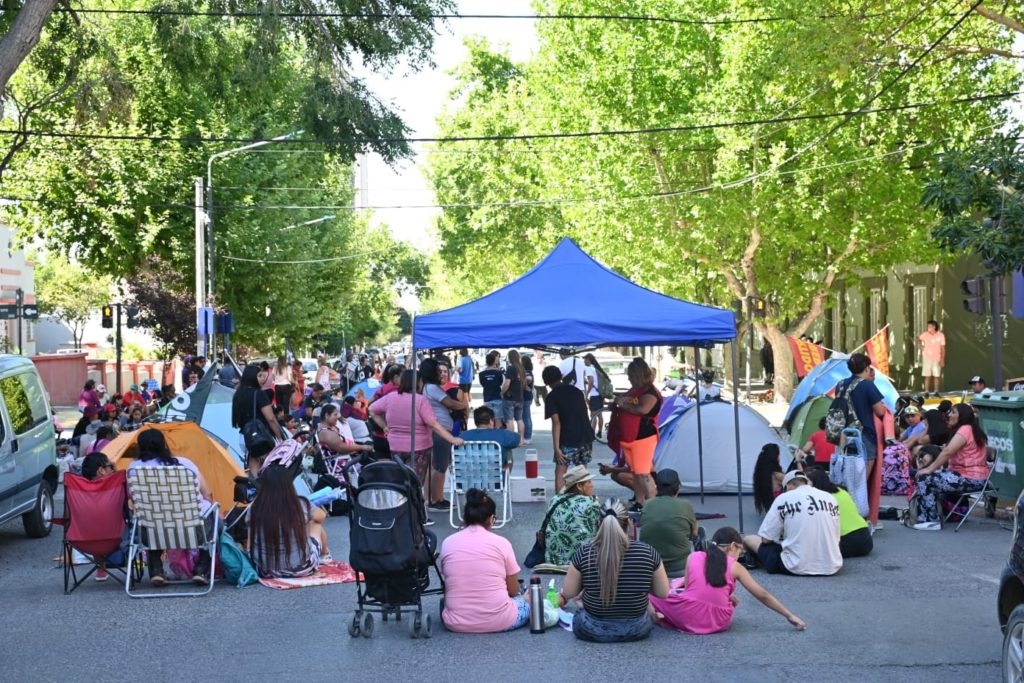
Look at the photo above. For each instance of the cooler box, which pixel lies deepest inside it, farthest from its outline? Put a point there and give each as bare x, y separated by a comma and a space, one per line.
533, 490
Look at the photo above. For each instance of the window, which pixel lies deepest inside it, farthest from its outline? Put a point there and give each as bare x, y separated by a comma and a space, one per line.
875, 309
25, 402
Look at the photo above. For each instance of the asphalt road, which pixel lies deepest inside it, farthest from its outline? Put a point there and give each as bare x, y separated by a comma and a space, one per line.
920, 608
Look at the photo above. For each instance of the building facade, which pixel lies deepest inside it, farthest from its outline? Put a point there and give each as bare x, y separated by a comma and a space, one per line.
16, 273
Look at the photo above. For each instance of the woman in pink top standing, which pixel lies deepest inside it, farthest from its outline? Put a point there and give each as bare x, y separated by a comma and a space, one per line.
393, 414
706, 602
968, 467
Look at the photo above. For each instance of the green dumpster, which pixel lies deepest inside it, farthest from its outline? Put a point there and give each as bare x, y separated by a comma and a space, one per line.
1002, 418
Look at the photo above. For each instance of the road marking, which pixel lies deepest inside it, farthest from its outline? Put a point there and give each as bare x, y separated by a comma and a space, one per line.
988, 579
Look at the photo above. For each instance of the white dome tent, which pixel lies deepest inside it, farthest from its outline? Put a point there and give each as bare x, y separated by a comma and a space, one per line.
678, 448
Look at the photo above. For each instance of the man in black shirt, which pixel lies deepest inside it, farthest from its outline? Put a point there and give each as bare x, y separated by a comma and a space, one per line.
312, 404
571, 434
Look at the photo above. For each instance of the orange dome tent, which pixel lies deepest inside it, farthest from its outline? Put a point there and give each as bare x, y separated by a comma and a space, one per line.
187, 439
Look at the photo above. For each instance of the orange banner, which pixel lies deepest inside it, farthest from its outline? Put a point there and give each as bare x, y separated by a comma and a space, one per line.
878, 350
805, 355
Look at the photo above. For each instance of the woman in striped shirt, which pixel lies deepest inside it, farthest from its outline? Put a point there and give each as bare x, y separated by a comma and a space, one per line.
613, 577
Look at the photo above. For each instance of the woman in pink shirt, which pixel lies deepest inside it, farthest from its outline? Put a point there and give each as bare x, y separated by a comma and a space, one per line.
706, 602
968, 466
393, 414
481, 575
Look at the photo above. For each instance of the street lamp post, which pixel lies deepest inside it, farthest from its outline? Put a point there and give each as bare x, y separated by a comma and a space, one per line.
211, 252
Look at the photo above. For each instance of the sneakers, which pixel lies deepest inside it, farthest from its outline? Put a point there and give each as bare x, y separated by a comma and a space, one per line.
200, 580
157, 580
428, 522
928, 526
443, 505
101, 574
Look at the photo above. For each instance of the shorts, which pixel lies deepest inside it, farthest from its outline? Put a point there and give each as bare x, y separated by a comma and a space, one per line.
440, 454
931, 368
309, 567
596, 403
576, 455
639, 454
465, 388
497, 407
770, 557
511, 411
870, 448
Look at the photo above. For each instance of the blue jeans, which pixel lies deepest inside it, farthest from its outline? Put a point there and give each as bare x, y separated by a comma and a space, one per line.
589, 628
522, 613
527, 417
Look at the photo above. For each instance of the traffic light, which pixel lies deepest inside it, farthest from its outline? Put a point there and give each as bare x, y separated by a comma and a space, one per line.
758, 307
133, 317
973, 289
108, 316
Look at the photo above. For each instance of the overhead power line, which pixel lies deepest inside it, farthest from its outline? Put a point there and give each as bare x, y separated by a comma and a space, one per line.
693, 21
861, 111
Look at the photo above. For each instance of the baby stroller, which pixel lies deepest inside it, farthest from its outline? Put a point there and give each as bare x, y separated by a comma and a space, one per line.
389, 548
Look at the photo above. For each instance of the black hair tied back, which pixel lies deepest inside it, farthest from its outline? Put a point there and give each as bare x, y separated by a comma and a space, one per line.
479, 508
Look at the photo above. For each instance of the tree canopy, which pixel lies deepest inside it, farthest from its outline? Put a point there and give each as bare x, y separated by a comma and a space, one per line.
773, 158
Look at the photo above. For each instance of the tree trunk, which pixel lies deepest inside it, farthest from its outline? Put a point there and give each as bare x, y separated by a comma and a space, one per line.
784, 372
21, 38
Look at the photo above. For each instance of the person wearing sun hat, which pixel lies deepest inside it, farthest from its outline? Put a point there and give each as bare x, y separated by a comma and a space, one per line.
800, 532
574, 515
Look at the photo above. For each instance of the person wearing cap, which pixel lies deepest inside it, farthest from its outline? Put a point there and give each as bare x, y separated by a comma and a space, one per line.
915, 423
669, 524
936, 431
131, 396
978, 386
574, 514
800, 533
933, 356
484, 430
101, 396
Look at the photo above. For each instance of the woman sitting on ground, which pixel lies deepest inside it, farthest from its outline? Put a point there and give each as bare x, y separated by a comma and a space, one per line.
614, 576
706, 603
153, 452
286, 533
767, 478
967, 470
854, 534
481, 575
575, 513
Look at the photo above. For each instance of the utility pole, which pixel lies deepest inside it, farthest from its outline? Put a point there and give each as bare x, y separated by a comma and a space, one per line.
200, 230
20, 300
117, 346
750, 343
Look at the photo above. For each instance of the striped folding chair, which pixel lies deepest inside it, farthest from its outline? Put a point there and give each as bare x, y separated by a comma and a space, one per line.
168, 516
479, 465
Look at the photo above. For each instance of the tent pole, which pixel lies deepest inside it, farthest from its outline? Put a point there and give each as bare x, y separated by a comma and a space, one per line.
700, 431
736, 421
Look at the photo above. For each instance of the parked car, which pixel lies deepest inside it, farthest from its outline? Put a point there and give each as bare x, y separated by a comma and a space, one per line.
28, 448
614, 364
1010, 603
309, 368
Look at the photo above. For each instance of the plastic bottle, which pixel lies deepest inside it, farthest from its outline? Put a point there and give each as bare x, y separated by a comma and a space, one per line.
536, 598
553, 594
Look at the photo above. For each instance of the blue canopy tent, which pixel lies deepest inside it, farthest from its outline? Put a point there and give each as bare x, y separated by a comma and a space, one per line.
569, 299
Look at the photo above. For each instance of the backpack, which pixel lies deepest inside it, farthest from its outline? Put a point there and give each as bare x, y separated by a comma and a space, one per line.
570, 377
604, 384
840, 413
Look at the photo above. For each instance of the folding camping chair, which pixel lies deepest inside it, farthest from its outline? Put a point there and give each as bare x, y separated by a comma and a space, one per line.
480, 465
168, 516
987, 491
94, 525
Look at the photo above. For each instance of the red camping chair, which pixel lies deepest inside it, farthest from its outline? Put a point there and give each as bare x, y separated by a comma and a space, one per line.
93, 522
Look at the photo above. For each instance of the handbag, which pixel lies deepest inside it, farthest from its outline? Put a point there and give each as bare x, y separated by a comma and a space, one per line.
258, 439
536, 554
238, 568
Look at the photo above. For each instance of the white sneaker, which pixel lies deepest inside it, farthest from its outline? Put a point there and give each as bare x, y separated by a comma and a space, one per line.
429, 522
878, 526
928, 526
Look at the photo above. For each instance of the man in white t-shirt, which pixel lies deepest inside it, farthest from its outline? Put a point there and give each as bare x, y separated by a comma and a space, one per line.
570, 364
595, 402
800, 533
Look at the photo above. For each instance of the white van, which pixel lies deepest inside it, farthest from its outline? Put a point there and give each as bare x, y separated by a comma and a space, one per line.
28, 448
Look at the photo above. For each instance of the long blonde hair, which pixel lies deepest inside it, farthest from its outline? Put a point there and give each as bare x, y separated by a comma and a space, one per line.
610, 545
515, 361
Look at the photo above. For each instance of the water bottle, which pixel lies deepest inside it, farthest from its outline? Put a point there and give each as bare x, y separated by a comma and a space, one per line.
552, 597
536, 606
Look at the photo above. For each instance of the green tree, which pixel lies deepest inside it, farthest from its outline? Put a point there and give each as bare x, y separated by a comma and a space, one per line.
70, 292
786, 210
977, 193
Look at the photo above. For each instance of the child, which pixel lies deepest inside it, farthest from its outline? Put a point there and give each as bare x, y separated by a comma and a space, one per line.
703, 602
